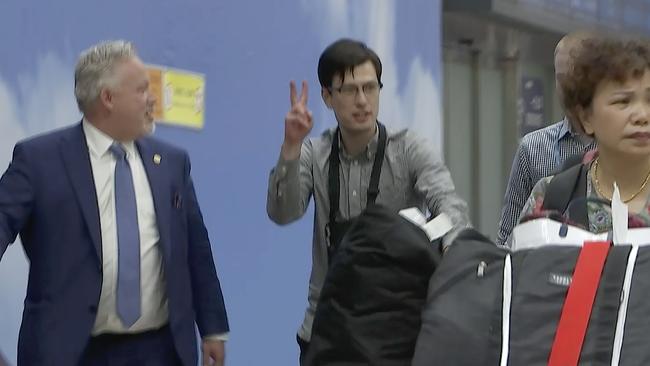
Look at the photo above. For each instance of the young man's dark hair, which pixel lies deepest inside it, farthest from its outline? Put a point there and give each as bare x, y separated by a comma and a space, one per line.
343, 56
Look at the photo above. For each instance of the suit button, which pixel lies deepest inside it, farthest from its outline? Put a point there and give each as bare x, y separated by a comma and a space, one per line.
93, 309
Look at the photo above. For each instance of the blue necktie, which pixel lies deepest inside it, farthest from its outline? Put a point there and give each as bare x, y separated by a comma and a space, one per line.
128, 240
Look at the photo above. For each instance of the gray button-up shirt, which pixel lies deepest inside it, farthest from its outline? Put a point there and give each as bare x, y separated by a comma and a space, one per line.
412, 175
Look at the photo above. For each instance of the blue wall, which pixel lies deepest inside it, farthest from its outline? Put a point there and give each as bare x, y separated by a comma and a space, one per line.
248, 50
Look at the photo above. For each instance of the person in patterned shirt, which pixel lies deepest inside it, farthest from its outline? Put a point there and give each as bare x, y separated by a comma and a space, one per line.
545, 151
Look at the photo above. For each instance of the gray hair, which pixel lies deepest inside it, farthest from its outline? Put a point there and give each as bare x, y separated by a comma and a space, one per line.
94, 70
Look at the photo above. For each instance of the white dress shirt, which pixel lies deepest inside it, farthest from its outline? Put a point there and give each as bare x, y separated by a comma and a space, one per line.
154, 311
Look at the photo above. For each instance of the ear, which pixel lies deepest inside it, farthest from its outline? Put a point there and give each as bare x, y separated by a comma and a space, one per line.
584, 118
106, 98
327, 97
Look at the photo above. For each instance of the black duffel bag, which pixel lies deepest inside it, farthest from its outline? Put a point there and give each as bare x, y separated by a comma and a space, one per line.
370, 305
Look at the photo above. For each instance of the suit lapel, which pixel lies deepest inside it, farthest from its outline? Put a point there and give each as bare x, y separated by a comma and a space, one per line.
156, 167
76, 159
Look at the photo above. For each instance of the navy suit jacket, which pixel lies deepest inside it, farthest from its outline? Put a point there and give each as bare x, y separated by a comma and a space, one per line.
47, 195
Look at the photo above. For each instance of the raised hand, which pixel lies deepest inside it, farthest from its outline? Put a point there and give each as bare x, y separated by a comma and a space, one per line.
297, 123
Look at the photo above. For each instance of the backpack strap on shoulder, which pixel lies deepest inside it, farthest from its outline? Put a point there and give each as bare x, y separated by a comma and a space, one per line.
565, 187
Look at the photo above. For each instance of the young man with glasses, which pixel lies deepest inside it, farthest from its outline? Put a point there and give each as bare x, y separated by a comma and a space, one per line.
403, 168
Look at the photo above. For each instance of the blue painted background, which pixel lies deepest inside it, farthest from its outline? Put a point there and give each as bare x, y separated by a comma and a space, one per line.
248, 50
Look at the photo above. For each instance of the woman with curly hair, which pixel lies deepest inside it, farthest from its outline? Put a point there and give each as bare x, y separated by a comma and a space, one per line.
608, 90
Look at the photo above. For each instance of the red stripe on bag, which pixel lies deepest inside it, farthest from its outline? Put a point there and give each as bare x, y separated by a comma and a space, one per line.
577, 306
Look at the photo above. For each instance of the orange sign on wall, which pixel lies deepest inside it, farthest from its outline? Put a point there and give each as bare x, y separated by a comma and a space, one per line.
155, 88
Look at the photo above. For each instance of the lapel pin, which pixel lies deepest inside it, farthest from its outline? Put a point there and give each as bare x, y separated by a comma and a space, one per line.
156, 159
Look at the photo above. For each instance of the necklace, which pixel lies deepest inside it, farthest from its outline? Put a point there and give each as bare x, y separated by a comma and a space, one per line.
600, 192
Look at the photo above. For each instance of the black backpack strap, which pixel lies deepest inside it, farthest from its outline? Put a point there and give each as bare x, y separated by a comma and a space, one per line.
333, 186
571, 161
565, 187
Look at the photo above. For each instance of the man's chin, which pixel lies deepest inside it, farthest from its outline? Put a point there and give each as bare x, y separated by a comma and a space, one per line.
361, 126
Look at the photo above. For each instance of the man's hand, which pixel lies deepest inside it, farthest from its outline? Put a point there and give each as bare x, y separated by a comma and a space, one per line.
297, 123
214, 353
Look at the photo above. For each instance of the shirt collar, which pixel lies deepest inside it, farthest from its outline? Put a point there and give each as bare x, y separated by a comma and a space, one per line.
371, 148
566, 129
99, 142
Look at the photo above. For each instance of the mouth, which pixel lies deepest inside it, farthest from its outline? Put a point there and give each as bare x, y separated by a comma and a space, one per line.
361, 116
640, 136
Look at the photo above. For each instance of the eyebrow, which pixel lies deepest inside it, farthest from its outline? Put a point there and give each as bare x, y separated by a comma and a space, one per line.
361, 83
622, 93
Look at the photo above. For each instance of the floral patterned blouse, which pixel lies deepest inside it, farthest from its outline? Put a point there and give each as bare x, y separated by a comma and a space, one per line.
600, 215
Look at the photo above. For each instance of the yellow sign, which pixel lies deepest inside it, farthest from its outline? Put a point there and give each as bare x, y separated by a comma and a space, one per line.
180, 96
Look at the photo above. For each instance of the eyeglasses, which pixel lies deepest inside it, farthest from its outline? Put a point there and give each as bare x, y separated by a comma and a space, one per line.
370, 89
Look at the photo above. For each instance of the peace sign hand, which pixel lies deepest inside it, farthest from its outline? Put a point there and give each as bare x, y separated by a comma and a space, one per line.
297, 123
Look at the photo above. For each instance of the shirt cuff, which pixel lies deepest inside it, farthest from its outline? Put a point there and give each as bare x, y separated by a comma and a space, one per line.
283, 167
217, 337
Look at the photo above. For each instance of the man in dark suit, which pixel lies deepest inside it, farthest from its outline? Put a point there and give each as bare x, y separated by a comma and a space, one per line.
120, 262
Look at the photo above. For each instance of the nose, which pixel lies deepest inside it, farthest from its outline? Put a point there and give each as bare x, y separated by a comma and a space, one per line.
361, 98
642, 114
151, 100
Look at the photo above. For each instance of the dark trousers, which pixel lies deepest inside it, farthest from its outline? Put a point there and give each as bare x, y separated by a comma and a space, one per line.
304, 345
152, 348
